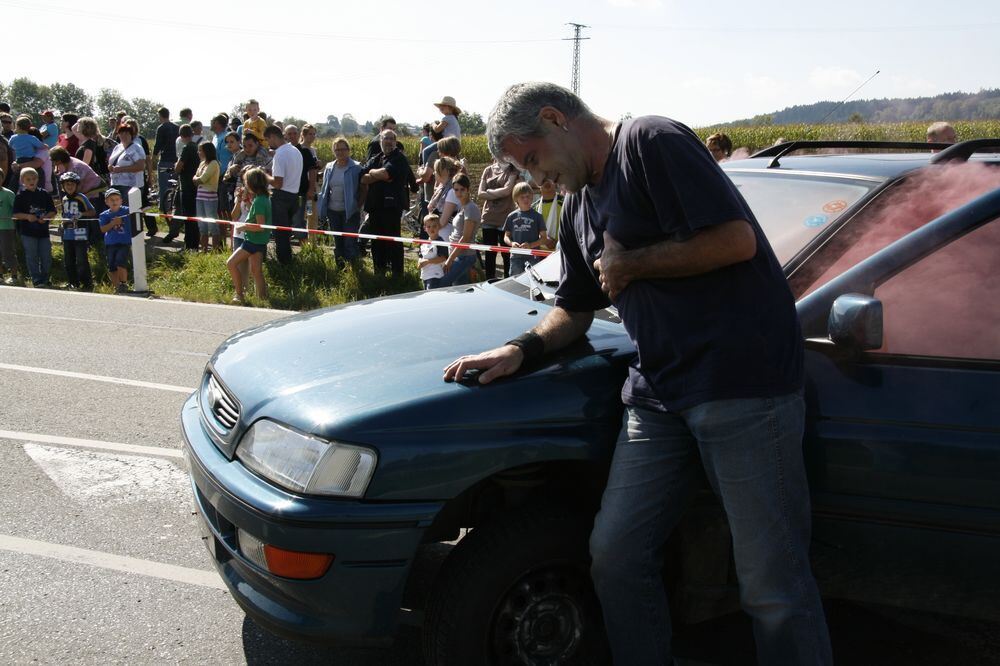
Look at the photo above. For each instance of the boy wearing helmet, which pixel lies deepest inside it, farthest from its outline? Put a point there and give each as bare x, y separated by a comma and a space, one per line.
74, 232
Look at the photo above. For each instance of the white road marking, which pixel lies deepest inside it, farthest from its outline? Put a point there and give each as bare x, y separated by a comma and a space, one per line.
111, 479
109, 322
97, 378
134, 299
111, 561
91, 444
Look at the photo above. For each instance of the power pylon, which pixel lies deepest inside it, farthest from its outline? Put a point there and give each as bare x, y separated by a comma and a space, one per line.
576, 39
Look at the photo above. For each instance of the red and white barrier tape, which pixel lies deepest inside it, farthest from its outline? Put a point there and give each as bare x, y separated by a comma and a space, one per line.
348, 234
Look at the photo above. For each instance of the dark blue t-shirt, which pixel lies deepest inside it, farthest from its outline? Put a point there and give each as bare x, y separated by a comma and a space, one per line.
525, 226
117, 236
729, 333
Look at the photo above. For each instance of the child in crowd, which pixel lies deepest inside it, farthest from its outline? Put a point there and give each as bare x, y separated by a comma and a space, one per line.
523, 228
8, 256
49, 131
23, 142
432, 257
253, 122
241, 209
550, 207
33, 207
254, 245
75, 205
448, 125
117, 238
207, 196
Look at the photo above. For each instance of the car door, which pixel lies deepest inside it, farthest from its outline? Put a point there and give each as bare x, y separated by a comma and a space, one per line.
903, 442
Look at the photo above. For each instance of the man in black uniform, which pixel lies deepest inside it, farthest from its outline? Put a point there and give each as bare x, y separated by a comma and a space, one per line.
386, 176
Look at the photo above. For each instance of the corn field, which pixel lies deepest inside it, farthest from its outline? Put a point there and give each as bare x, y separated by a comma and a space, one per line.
762, 136
475, 151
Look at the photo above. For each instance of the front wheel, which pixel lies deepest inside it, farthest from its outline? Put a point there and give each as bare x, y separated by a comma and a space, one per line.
518, 591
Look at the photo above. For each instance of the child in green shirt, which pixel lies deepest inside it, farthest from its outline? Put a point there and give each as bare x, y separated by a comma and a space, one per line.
253, 247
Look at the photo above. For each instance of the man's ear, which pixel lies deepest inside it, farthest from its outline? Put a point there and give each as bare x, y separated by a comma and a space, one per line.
552, 115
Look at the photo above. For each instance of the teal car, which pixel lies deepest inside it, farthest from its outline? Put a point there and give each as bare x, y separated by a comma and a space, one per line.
327, 455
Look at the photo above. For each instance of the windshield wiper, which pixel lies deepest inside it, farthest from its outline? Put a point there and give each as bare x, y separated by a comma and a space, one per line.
536, 281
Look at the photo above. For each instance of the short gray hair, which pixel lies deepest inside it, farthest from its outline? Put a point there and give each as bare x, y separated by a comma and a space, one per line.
516, 114
386, 134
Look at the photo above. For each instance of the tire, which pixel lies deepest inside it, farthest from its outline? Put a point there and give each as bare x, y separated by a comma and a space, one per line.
518, 591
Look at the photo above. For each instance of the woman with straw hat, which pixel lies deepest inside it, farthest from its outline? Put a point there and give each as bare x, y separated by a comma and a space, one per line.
448, 125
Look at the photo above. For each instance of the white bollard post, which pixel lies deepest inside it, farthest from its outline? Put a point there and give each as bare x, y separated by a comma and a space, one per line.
138, 243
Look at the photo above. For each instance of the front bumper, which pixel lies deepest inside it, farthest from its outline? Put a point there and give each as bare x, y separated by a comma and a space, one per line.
357, 601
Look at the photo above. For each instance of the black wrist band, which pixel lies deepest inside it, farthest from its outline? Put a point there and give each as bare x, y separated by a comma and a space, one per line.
530, 344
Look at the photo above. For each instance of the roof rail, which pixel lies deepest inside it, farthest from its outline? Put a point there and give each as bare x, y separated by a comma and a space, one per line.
782, 149
964, 150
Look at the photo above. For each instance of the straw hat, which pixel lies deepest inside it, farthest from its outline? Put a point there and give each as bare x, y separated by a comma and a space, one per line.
448, 100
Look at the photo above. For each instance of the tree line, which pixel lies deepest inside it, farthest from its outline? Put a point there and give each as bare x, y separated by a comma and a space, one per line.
982, 105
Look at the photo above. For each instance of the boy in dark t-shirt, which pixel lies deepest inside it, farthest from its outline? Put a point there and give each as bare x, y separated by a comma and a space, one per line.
33, 208
523, 228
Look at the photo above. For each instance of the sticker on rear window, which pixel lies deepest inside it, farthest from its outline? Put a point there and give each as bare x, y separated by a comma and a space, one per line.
815, 220
834, 206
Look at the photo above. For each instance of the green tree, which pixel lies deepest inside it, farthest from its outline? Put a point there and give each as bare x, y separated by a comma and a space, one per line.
26, 96
348, 125
330, 128
292, 120
856, 118
144, 111
109, 102
70, 97
471, 123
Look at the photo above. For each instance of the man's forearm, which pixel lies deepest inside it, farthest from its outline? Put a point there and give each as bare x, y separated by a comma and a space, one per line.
710, 249
561, 328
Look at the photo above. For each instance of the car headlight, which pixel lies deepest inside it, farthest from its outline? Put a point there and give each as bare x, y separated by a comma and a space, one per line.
306, 464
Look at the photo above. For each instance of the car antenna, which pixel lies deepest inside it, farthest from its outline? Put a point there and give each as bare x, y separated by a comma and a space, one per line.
774, 162
838, 104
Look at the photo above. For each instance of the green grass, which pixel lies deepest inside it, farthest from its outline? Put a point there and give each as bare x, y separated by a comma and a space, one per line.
311, 281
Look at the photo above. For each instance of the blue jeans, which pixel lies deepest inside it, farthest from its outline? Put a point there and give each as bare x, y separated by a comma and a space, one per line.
38, 254
751, 451
459, 271
344, 249
207, 208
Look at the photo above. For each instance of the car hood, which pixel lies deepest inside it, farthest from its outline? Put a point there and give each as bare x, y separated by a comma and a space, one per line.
332, 369
371, 373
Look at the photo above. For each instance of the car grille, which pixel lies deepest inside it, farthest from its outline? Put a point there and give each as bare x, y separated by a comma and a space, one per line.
223, 406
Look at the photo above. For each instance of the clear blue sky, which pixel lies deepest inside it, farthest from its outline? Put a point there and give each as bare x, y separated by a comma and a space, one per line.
700, 63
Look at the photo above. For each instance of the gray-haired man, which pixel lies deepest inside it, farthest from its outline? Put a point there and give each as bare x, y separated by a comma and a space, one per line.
655, 227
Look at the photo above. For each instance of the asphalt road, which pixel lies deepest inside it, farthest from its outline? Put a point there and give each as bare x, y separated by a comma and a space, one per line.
101, 562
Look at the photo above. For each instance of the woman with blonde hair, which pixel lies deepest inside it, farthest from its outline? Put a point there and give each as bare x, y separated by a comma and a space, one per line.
91, 150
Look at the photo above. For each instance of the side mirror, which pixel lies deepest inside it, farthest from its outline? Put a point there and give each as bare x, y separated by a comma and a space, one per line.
856, 322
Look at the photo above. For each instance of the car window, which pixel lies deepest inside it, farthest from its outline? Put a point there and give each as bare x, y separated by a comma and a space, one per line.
923, 197
948, 303
792, 209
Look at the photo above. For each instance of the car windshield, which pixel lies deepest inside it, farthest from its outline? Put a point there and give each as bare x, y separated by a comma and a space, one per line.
791, 208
